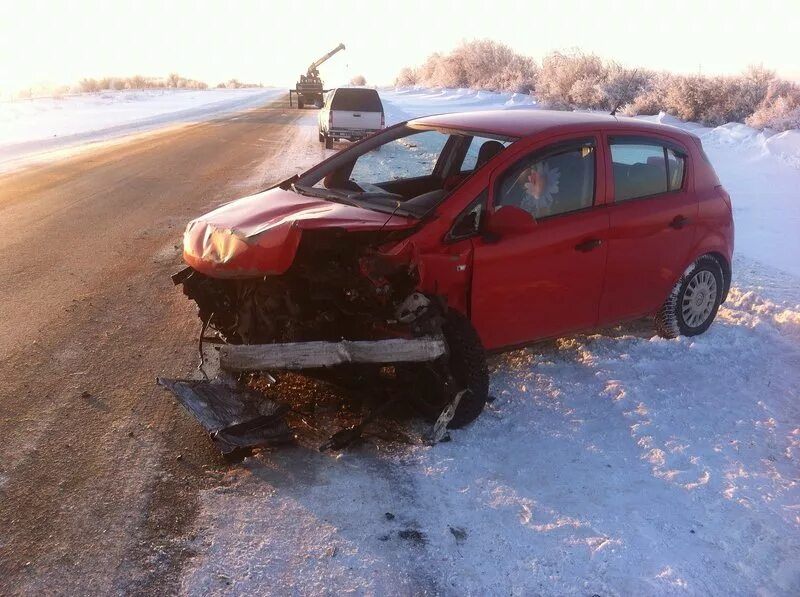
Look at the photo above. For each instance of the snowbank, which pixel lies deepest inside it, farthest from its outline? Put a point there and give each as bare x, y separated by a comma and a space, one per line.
32, 126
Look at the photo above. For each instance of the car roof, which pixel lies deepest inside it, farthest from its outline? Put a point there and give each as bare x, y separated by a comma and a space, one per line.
532, 121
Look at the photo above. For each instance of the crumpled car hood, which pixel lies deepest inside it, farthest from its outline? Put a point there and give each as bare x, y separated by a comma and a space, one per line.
259, 235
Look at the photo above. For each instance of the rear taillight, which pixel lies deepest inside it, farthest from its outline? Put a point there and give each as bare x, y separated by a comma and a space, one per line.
383, 120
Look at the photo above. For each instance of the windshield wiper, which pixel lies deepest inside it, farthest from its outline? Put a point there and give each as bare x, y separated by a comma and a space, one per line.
329, 194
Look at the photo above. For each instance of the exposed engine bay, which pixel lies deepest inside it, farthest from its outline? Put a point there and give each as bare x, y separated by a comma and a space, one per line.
338, 287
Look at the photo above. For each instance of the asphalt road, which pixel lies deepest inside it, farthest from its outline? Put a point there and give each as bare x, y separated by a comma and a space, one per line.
99, 469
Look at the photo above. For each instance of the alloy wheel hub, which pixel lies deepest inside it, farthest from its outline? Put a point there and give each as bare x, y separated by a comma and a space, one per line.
699, 298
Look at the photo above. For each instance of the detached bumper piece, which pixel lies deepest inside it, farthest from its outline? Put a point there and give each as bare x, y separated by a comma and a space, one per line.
236, 417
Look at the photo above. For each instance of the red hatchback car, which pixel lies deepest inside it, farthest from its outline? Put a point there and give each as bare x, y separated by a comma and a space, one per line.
495, 229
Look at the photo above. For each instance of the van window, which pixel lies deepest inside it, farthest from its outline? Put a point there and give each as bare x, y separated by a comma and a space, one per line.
551, 182
356, 100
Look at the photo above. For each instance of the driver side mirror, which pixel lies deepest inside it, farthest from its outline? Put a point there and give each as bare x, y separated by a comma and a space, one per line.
509, 221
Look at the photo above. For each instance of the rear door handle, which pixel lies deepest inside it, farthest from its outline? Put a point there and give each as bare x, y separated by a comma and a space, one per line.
588, 245
678, 222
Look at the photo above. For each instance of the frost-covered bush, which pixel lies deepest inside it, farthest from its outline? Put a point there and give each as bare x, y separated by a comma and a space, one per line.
623, 85
780, 109
478, 64
571, 80
358, 81
709, 100
406, 78
89, 85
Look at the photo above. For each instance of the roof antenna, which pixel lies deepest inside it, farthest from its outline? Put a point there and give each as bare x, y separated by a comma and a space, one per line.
622, 97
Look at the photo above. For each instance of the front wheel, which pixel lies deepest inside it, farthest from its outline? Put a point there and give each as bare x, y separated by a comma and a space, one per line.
693, 303
328, 142
468, 368
466, 362
321, 137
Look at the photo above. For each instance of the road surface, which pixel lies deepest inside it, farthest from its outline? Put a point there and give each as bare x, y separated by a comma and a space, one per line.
98, 476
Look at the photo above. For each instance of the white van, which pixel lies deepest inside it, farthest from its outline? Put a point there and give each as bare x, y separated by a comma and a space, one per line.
350, 113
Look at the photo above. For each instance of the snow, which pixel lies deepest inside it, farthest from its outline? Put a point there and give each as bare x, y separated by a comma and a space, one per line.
612, 463
32, 127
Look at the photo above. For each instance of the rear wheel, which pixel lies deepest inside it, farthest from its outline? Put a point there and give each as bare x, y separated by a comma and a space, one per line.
321, 137
328, 142
300, 103
693, 303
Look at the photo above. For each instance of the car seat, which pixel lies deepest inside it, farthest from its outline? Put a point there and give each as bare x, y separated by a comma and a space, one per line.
488, 150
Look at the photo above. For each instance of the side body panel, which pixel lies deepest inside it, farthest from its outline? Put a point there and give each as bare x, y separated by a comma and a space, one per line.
538, 284
650, 244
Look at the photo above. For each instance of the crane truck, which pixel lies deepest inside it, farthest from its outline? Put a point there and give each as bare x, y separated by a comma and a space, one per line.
309, 88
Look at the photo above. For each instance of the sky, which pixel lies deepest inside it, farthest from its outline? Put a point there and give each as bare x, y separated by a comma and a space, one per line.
272, 42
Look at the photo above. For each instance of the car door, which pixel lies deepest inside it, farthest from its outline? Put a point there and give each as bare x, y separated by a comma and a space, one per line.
653, 220
546, 279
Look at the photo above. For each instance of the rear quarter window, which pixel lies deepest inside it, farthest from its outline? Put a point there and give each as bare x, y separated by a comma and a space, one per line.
357, 100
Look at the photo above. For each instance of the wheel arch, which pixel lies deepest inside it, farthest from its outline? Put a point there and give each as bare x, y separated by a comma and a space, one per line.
726, 272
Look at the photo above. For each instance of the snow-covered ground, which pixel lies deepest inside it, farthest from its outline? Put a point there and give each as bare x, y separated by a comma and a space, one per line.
612, 464
32, 127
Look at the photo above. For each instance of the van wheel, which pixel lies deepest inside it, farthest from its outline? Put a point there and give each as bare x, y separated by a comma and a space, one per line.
693, 303
328, 142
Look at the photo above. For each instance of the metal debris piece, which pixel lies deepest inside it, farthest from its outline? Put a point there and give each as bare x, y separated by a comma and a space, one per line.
236, 417
440, 427
345, 437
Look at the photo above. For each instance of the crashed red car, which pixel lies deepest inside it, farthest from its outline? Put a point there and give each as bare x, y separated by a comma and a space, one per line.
494, 229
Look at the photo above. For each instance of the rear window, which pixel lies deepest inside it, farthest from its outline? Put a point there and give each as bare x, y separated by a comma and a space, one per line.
357, 100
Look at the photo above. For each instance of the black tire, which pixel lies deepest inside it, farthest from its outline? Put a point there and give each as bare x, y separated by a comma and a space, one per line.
321, 137
468, 368
299, 104
328, 142
671, 319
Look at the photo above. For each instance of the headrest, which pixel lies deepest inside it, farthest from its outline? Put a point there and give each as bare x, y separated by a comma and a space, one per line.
488, 150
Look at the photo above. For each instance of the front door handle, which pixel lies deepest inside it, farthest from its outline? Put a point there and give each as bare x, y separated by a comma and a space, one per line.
588, 245
678, 222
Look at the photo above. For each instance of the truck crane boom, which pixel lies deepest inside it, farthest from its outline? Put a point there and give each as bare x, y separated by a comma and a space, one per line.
312, 70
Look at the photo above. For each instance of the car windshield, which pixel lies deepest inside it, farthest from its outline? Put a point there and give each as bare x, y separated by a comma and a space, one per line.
406, 170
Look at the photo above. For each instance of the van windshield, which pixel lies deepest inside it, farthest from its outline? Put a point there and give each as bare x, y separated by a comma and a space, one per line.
356, 100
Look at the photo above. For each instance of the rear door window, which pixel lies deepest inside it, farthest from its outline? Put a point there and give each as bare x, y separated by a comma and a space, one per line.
642, 169
356, 100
